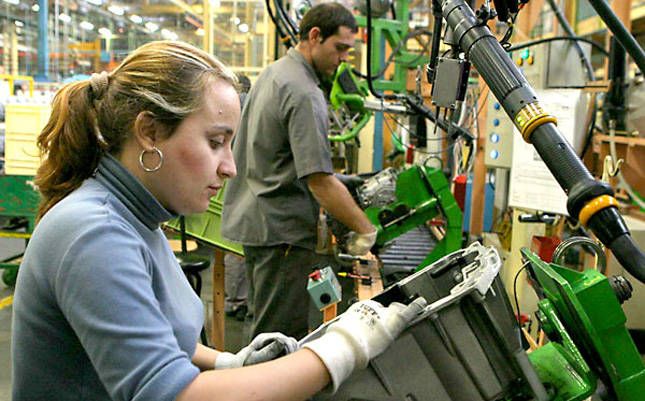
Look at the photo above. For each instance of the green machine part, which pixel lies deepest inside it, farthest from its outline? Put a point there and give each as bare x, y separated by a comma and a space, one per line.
395, 32
206, 226
422, 193
18, 199
581, 315
349, 93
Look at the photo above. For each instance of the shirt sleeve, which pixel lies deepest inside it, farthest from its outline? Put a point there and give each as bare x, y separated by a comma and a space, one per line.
307, 124
104, 288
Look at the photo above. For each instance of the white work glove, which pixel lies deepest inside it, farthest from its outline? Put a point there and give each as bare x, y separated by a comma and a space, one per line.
365, 330
264, 347
360, 244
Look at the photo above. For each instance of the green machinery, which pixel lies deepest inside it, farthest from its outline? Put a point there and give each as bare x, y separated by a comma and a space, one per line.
421, 194
398, 201
466, 345
206, 226
581, 313
395, 32
19, 203
347, 99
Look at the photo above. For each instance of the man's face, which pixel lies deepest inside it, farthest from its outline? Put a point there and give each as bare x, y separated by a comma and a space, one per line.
328, 54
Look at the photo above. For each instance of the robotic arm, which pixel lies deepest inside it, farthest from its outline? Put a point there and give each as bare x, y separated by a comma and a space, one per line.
591, 201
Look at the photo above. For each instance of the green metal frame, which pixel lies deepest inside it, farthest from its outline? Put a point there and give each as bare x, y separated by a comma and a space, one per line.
206, 227
353, 102
18, 198
422, 193
394, 31
580, 312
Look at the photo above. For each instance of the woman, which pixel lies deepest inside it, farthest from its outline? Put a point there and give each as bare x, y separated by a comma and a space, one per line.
101, 308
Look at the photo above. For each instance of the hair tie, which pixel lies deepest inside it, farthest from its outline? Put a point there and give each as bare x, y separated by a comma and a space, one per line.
99, 84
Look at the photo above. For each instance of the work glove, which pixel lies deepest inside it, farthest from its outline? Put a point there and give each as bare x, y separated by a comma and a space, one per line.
360, 244
365, 330
264, 347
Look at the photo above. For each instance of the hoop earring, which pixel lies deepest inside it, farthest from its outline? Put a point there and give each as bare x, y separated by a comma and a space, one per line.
155, 168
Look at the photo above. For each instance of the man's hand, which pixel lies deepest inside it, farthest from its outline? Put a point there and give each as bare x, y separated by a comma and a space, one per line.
360, 244
265, 347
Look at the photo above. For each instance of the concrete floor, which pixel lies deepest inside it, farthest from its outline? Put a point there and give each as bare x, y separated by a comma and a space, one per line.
8, 248
234, 330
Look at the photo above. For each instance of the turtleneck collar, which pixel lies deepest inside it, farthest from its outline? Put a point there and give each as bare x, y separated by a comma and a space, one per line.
129, 190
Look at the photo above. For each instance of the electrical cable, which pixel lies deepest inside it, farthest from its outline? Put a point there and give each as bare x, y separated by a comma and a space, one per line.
591, 119
517, 303
509, 32
556, 38
277, 25
397, 122
569, 31
390, 59
292, 29
621, 33
286, 21
412, 148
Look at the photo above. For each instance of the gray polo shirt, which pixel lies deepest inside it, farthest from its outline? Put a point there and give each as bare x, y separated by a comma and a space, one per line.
281, 140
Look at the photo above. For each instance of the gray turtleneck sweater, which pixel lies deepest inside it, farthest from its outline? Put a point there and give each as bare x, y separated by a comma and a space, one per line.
102, 310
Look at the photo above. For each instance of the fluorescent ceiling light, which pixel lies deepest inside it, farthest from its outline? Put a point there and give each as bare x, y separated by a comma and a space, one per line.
105, 32
88, 26
15, 2
136, 19
168, 34
95, 2
114, 9
151, 26
64, 17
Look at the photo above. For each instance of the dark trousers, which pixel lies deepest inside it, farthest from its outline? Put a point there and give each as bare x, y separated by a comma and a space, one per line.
278, 297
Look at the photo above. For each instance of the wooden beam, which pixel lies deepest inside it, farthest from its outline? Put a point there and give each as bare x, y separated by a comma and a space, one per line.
623, 10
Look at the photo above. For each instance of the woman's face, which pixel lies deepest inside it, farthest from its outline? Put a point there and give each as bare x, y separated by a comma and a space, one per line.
198, 156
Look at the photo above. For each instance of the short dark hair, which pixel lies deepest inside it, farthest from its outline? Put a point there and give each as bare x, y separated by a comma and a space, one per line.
328, 17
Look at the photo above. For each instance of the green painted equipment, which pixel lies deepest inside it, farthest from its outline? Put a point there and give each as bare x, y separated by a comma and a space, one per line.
205, 227
421, 194
396, 33
347, 99
18, 202
581, 315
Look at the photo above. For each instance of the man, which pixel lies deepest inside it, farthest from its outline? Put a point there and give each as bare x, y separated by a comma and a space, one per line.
285, 174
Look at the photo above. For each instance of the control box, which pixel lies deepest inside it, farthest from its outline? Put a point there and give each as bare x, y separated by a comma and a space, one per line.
499, 135
553, 65
324, 288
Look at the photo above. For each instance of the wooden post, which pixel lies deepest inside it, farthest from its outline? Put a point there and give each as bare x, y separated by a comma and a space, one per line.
623, 10
329, 312
217, 322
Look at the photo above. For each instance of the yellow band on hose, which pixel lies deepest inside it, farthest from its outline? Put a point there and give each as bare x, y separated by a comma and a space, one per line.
543, 119
531, 117
595, 205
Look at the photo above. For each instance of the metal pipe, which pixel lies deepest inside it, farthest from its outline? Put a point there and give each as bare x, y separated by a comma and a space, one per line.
521, 104
620, 32
43, 45
569, 31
